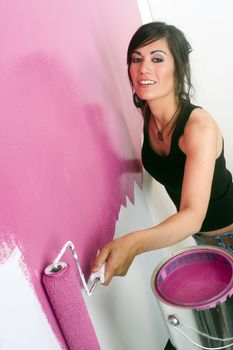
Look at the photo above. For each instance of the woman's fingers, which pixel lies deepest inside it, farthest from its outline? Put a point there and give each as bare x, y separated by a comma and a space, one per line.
117, 256
100, 259
104, 257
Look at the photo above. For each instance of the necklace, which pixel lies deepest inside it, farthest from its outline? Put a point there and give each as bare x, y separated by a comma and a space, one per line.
160, 132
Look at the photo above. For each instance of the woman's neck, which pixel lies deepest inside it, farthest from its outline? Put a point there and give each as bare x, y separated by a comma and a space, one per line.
163, 110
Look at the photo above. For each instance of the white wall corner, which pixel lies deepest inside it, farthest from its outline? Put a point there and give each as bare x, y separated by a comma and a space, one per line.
145, 11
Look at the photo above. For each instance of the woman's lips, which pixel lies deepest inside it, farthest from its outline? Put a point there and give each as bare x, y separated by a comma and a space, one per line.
146, 82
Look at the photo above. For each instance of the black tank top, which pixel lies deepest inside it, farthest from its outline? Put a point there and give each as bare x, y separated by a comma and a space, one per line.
169, 171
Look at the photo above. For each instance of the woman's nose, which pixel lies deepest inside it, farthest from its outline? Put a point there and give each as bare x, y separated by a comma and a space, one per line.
145, 67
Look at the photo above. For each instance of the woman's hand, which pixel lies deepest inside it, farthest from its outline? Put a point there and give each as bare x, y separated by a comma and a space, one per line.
118, 256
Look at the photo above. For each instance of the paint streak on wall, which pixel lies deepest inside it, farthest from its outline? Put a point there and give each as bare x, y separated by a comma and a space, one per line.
69, 134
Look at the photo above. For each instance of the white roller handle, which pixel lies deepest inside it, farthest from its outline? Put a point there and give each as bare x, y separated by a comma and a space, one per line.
98, 275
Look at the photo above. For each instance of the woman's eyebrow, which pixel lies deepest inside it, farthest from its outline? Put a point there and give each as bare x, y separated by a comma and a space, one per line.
137, 52
152, 52
156, 51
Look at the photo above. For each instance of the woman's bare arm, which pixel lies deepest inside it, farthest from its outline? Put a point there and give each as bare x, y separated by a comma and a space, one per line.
201, 143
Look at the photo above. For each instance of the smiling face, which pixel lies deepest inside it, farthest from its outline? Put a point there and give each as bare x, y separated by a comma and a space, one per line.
152, 71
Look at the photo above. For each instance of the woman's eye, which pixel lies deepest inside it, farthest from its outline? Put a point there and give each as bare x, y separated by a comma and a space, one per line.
136, 59
157, 59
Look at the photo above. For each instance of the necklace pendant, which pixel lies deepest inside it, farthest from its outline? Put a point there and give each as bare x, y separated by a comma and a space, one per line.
160, 135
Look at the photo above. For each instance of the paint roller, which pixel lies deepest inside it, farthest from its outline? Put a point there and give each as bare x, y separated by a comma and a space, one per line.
65, 296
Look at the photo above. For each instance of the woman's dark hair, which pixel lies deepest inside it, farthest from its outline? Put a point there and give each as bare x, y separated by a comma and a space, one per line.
180, 49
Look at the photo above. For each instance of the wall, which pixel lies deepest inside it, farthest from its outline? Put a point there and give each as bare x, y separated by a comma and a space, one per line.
127, 308
65, 103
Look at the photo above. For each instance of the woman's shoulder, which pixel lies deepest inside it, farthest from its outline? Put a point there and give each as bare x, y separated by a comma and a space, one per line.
200, 129
200, 117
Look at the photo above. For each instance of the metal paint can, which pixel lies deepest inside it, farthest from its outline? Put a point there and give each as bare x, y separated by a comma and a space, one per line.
194, 290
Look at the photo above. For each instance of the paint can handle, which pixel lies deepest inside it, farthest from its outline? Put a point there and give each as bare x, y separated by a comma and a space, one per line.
174, 322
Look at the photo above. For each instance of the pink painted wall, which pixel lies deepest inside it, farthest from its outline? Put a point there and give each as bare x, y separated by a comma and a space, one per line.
69, 133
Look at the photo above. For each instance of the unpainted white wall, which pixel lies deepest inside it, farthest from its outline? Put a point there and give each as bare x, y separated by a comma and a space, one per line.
126, 314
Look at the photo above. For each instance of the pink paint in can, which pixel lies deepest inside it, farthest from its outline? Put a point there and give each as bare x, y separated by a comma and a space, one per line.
196, 278
194, 289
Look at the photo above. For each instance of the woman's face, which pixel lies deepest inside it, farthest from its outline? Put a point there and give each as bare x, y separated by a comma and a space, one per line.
152, 71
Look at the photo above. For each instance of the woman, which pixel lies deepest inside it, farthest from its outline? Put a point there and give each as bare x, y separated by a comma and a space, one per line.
182, 149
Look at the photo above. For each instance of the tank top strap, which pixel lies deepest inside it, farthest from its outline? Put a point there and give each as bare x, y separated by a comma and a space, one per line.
182, 120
